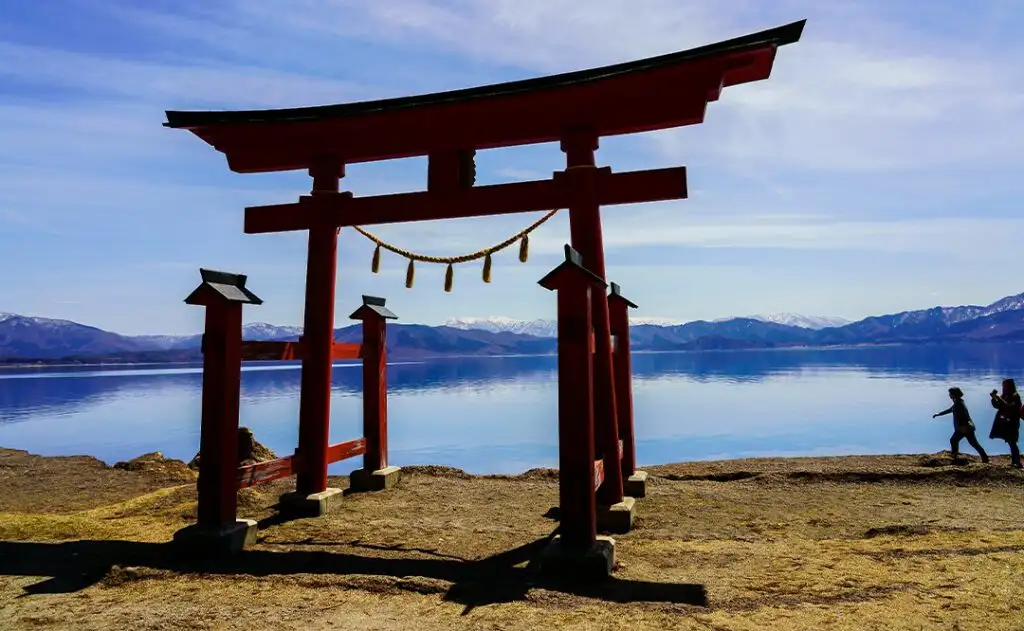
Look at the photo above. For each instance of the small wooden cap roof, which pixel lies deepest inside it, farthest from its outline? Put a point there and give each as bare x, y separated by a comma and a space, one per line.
373, 305
573, 264
225, 286
616, 294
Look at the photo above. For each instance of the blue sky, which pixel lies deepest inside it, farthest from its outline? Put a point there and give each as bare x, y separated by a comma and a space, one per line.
879, 169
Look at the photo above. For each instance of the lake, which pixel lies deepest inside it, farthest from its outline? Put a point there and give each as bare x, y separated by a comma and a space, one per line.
499, 414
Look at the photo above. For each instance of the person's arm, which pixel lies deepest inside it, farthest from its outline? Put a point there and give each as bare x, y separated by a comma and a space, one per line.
944, 412
998, 403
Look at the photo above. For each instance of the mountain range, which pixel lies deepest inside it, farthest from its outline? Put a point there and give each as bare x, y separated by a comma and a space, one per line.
24, 338
549, 328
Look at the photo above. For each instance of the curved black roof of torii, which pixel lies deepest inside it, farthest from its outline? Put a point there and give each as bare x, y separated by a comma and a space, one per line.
779, 36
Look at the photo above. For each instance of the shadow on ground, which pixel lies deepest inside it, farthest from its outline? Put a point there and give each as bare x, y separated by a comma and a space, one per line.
501, 578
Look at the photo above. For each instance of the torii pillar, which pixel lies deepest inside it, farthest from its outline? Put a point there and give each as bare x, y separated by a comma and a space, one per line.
312, 497
577, 551
634, 482
615, 512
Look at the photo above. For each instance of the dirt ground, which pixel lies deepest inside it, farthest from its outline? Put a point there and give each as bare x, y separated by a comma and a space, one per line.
888, 542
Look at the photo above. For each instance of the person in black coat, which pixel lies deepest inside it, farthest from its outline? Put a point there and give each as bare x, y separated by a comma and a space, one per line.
963, 426
1006, 424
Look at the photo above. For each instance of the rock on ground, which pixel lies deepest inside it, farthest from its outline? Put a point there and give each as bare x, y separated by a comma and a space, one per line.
155, 463
250, 451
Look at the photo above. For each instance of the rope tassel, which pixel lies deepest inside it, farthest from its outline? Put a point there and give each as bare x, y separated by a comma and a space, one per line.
487, 268
523, 237
410, 274
449, 277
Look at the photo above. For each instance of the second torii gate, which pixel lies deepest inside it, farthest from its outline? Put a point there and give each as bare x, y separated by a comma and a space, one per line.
575, 109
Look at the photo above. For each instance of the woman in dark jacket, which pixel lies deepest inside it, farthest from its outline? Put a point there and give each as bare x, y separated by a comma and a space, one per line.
1007, 422
963, 426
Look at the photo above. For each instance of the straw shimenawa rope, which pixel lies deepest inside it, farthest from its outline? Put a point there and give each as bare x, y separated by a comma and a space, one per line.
523, 236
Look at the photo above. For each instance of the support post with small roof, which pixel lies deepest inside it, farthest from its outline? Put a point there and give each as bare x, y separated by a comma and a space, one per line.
218, 530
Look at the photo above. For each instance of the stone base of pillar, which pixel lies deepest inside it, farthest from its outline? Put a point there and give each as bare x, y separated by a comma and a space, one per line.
316, 505
617, 518
205, 541
635, 486
380, 480
579, 565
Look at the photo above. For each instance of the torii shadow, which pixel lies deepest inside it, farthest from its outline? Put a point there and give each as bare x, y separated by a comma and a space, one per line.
75, 565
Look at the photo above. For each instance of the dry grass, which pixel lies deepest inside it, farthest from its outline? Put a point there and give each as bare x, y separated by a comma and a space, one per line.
901, 542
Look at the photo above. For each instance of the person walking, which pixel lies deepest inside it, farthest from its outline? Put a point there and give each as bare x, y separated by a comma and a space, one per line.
963, 426
1006, 424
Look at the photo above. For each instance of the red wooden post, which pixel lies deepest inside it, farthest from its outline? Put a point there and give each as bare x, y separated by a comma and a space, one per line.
375, 394
585, 231
375, 315
223, 295
575, 286
618, 309
318, 333
376, 474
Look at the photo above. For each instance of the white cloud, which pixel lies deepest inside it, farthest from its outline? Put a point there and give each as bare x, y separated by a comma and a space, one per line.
982, 236
513, 174
832, 106
539, 35
183, 83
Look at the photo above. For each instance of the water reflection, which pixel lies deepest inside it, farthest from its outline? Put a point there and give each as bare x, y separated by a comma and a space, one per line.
498, 414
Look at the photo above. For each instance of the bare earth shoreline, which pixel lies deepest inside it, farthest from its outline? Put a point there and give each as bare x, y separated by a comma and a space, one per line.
857, 542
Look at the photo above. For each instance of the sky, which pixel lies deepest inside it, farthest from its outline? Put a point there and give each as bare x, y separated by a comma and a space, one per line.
877, 170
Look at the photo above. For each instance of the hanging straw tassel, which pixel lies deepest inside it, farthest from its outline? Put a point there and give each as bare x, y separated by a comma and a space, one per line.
449, 277
410, 275
524, 248
375, 265
487, 268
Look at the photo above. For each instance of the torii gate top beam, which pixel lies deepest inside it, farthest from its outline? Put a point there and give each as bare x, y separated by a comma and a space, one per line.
661, 92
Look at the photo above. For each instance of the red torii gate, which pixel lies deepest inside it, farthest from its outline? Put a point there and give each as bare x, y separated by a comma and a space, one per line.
574, 109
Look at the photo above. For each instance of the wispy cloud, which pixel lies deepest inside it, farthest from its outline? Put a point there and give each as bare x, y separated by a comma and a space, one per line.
984, 238
185, 82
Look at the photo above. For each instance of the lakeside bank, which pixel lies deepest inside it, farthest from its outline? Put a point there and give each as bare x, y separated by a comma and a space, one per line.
903, 542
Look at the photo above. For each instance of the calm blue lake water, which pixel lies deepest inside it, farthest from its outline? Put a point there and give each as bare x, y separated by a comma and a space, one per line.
498, 415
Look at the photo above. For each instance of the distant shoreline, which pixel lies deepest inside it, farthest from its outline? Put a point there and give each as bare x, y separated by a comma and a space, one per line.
40, 364
67, 363
760, 464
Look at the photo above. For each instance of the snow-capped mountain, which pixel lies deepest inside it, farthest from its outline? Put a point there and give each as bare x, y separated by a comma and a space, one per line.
1010, 303
255, 331
500, 324
654, 321
14, 319
927, 323
29, 336
814, 323
160, 342
538, 328
261, 331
